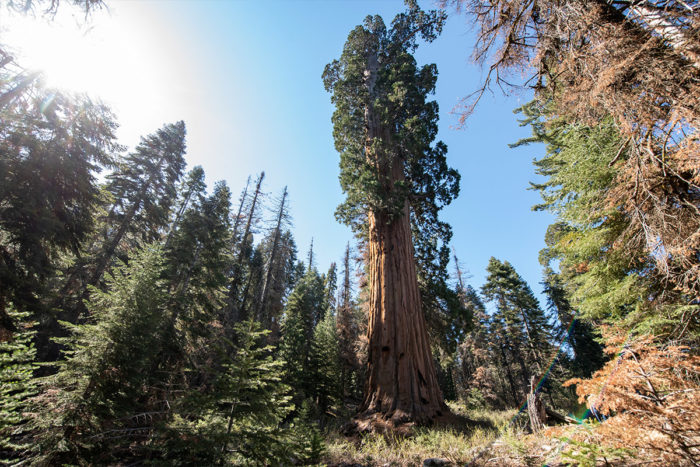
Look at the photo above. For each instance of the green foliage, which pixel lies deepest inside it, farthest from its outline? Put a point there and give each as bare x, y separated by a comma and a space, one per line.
519, 331
576, 334
88, 411
305, 307
239, 419
325, 363
396, 164
17, 385
144, 184
52, 146
588, 454
606, 272
197, 257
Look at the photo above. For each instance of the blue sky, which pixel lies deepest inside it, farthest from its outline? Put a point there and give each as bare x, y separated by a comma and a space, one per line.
245, 76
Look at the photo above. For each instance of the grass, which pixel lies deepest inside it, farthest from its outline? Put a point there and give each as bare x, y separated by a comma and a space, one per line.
490, 438
458, 445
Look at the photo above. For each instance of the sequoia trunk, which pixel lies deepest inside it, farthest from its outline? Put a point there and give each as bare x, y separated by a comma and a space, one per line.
402, 383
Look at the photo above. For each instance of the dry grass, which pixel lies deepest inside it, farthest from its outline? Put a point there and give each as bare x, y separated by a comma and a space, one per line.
459, 445
496, 438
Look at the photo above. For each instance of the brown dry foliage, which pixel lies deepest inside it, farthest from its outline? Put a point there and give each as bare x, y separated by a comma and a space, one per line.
651, 394
637, 61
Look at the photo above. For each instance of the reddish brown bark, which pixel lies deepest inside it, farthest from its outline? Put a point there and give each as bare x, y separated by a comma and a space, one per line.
402, 384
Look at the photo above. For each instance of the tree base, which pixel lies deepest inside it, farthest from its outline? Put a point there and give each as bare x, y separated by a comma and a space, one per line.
376, 422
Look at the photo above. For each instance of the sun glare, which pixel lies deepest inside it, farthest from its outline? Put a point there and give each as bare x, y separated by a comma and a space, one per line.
104, 57
127, 57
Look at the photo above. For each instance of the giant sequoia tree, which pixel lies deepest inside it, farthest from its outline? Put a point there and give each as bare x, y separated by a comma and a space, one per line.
392, 173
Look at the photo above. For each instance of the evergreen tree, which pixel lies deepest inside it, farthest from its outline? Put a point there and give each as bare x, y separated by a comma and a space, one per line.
325, 365
588, 353
88, 412
607, 272
243, 255
275, 274
519, 327
190, 189
239, 419
348, 330
52, 146
331, 285
392, 173
304, 307
196, 262
17, 385
142, 189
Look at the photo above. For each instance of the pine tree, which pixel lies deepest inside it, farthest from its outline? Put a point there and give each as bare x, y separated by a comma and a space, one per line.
275, 273
331, 285
144, 189
52, 146
606, 270
348, 329
325, 365
190, 190
243, 254
88, 412
17, 385
588, 353
519, 328
239, 419
196, 262
304, 307
392, 173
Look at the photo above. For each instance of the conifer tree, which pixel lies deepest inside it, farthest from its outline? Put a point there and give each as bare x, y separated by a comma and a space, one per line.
17, 385
144, 189
607, 272
348, 329
384, 129
238, 419
325, 365
274, 262
579, 335
88, 411
243, 254
191, 189
331, 285
477, 381
52, 146
304, 307
196, 262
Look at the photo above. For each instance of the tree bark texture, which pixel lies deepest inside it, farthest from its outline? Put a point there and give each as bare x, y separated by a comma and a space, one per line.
535, 408
402, 383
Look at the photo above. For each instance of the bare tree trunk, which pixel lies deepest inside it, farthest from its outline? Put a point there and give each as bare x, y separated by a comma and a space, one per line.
535, 408
237, 222
402, 383
232, 306
262, 311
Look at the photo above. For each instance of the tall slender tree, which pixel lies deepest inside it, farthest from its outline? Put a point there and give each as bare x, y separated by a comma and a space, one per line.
52, 146
384, 129
144, 190
281, 221
244, 250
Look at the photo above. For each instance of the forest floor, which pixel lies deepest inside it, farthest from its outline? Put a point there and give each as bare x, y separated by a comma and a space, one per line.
491, 438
